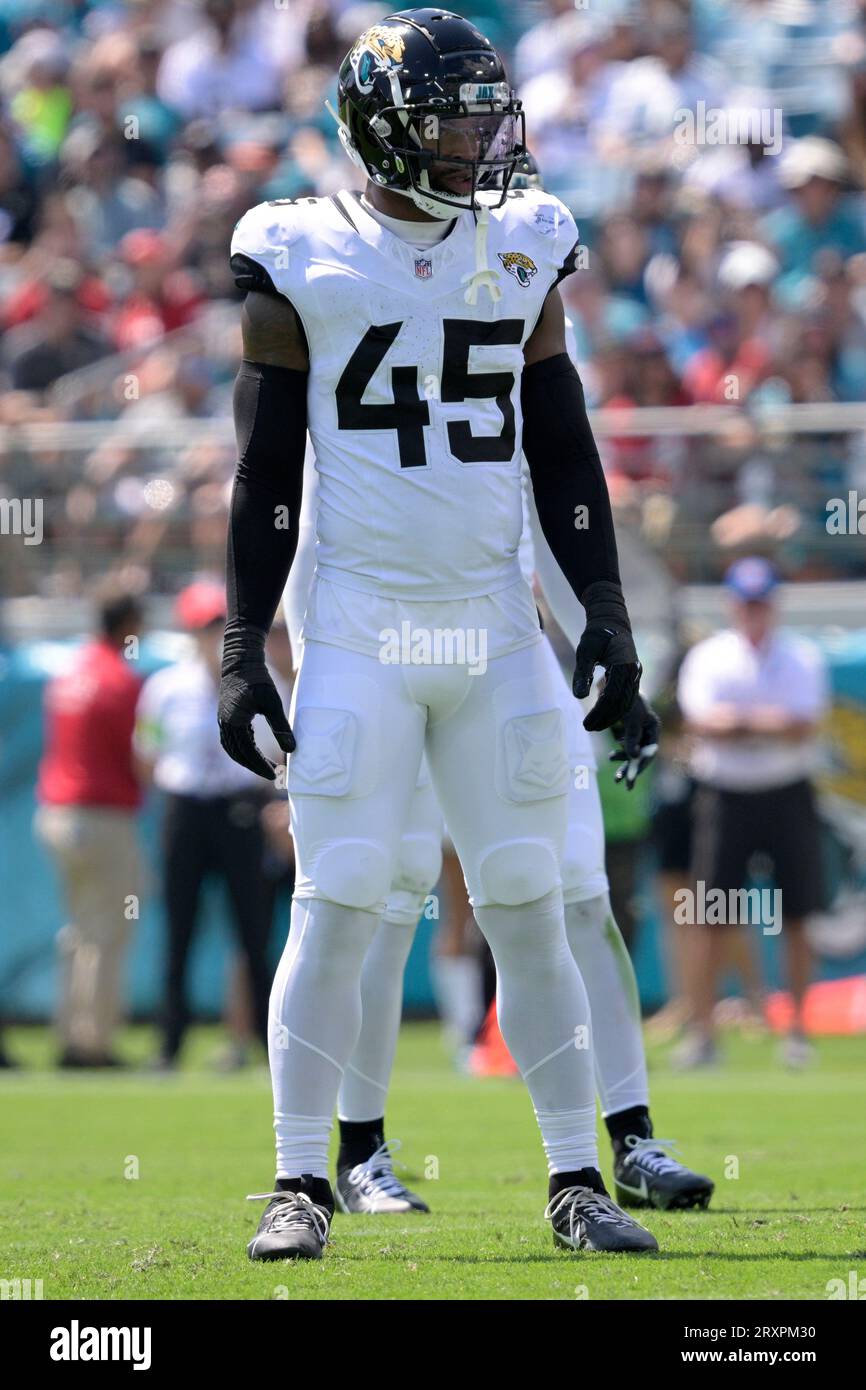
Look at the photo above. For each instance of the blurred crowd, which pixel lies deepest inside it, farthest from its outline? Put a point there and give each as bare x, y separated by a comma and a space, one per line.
714, 155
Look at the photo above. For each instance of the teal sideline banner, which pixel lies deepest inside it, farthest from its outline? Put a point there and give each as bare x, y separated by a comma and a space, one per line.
31, 912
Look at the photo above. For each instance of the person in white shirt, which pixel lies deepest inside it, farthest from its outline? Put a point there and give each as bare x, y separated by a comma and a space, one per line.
752, 697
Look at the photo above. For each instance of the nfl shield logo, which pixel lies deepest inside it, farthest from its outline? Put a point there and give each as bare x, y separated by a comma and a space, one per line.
423, 268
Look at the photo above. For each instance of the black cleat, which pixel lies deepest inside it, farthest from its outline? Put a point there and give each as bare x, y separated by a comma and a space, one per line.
293, 1227
585, 1220
373, 1187
646, 1176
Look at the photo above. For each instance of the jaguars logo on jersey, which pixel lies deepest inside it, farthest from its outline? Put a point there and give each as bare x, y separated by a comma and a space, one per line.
380, 49
519, 265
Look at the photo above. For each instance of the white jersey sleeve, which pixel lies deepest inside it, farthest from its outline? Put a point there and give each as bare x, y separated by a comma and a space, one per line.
266, 236
555, 232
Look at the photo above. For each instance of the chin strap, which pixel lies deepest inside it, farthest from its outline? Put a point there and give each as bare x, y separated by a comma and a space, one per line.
482, 274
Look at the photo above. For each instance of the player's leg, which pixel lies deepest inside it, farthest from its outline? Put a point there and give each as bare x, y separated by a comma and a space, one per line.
499, 765
366, 1181
645, 1174
593, 935
671, 835
359, 741
457, 962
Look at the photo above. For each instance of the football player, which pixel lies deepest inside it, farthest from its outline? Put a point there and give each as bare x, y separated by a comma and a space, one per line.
417, 330
645, 1174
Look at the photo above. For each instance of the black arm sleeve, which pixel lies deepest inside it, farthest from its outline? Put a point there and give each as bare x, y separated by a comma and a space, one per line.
270, 411
566, 473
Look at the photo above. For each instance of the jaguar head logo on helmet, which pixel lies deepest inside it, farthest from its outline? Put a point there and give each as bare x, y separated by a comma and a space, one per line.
425, 110
377, 50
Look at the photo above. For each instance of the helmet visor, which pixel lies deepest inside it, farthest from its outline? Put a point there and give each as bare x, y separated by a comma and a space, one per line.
462, 152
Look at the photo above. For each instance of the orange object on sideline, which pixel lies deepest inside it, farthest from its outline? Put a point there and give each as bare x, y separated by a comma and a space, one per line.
833, 1006
490, 1056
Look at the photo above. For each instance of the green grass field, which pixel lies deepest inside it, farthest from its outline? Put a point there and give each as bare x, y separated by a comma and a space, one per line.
71, 1216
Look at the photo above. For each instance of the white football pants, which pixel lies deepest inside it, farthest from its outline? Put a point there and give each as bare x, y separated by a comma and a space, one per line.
593, 935
495, 742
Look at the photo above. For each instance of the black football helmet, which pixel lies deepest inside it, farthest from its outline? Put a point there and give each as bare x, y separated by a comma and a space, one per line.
425, 109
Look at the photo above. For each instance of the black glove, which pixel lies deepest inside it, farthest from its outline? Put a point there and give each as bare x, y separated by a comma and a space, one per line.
246, 689
607, 642
639, 735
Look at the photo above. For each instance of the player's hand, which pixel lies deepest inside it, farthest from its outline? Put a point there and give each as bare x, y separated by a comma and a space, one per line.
639, 735
245, 691
606, 642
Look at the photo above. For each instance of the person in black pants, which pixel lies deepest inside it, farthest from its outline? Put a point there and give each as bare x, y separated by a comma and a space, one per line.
753, 696
213, 812
220, 836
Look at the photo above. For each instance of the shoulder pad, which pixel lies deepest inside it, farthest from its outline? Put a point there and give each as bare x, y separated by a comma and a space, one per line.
261, 242
267, 226
548, 219
276, 237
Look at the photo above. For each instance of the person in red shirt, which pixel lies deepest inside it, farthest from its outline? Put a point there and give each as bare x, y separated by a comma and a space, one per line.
732, 364
89, 797
162, 295
643, 464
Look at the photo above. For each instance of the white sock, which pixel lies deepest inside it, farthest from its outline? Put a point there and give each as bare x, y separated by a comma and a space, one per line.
457, 983
365, 1082
605, 964
315, 1019
569, 1138
544, 1016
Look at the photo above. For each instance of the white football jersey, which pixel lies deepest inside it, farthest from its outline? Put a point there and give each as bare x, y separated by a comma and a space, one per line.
414, 390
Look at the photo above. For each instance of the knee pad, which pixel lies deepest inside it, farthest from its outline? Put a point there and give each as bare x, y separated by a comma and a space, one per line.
520, 871
353, 873
404, 909
419, 863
